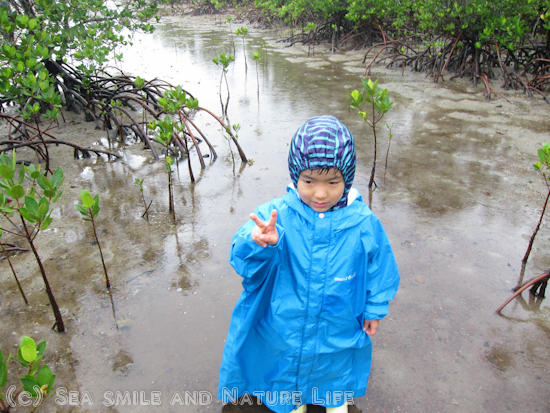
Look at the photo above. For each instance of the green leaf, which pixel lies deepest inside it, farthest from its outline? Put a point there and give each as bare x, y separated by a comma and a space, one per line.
43, 208
16, 192
28, 215
87, 200
28, 349
81, 209
30, 384
21, 20
35, 365
21, 174
57, 178
6, 172
3, 374
31, 205
50, 193
22, 361
44, 182
46, 223
59, 193
44, 376
7, 210
41, 348
51, 383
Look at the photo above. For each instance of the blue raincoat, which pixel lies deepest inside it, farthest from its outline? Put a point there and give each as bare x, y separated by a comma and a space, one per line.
296, 334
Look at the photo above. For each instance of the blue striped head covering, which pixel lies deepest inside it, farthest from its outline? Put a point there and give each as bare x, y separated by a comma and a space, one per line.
323, 142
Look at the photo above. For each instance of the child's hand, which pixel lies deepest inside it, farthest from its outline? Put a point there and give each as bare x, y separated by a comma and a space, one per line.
371, 326
265, 233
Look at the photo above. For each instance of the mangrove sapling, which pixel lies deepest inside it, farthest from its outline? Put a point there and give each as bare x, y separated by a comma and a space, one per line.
543, 167
168, 162
146, 213
257, 58
243, 31
379, 106
13, 271
228, 20
390, 135
89, 210
236, 127
33, 209
165, 130
223, 61
37, 383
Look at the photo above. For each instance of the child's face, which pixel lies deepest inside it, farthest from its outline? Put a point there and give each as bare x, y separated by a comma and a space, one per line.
321, 190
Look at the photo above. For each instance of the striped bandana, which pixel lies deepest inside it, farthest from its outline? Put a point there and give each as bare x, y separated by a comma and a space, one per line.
323, 142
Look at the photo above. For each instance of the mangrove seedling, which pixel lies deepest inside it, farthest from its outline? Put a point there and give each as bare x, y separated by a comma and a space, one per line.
257, 58
146, 213
228, 20
390, 135
89, 210
165, 130
543, 167
37, 383
223, 61
243, 31
168, 162
139, 83
175, 100
379, 106
236, 127
33, 208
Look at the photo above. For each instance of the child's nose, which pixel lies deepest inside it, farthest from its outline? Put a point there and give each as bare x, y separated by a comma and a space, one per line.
320, 192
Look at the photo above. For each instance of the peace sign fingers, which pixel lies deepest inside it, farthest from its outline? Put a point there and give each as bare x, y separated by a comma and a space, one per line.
265, 233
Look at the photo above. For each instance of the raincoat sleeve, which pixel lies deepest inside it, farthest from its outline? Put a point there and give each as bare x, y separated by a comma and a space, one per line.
251, 261
382, 273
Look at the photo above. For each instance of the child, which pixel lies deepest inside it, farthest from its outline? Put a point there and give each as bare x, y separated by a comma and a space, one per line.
318, 273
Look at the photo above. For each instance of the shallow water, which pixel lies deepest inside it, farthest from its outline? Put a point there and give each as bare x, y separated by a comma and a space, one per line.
459, 203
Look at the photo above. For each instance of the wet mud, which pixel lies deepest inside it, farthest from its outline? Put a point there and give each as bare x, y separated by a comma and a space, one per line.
459, 203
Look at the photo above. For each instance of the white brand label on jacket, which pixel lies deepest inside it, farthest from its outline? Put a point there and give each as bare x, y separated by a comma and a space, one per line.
349, 277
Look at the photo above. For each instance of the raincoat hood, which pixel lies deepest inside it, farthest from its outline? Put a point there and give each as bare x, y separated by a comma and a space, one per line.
323, 142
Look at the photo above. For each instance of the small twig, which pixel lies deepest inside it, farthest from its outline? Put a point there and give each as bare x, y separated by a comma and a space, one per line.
147, 210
